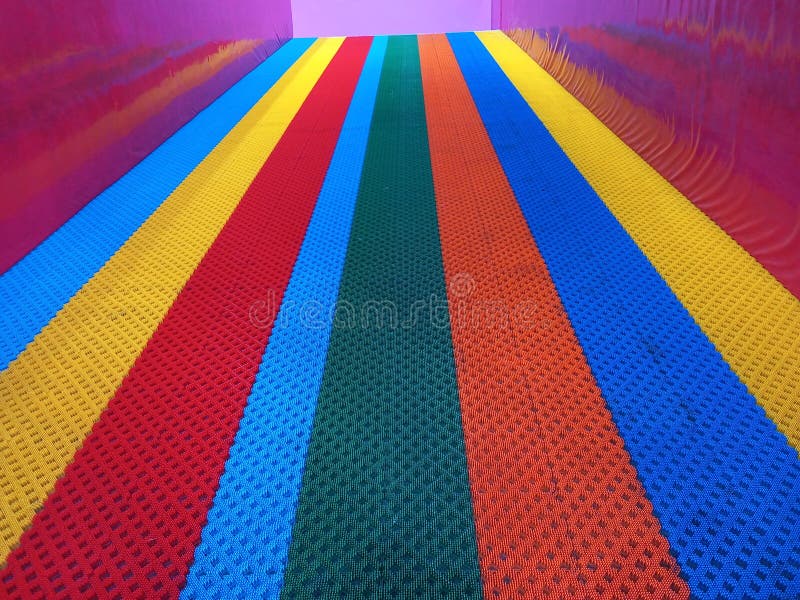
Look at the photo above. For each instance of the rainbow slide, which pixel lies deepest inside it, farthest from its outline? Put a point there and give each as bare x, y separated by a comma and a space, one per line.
397, 317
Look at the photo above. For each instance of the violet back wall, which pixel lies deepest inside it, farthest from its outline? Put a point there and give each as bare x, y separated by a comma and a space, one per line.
314, 18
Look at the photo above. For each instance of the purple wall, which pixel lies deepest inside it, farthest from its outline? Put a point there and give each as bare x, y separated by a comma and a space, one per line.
724, 73
89, 87
314, 18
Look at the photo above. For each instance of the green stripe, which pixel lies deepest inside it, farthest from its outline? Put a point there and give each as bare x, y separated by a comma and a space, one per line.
385, 509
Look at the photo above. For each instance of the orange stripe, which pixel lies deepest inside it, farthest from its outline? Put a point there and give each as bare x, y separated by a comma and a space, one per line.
559, 510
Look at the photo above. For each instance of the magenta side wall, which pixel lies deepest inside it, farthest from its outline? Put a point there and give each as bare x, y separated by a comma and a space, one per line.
313, 18
89, 87
726, 75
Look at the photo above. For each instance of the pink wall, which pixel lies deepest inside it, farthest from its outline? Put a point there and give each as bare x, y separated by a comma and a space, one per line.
89, 87
718, 80
314, 18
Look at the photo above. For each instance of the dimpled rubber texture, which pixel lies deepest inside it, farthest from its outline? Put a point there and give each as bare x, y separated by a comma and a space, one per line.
723, 481
559, 511
384, 507
246, 540
126, 516
53, 393
34, 289
750, 317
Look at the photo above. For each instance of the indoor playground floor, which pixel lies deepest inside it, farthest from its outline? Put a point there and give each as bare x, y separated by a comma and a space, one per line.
397, 318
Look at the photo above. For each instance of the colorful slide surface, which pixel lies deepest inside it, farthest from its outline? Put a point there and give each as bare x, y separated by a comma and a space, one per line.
393, 320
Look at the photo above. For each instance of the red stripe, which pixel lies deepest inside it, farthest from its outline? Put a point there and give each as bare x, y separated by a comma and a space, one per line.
127, 515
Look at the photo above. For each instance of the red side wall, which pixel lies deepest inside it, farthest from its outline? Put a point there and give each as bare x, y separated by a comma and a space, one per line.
89, 87
724, 74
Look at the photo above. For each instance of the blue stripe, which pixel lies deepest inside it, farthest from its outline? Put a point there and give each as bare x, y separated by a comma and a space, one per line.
35, 289
246, 540
724, 482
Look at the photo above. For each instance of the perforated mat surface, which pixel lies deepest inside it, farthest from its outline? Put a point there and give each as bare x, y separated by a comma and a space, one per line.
397, 318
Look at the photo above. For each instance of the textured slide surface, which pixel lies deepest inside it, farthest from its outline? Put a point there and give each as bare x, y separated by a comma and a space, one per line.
55, 390
750, 317
257, 496
703, 448
397, 317
385, 508
172, 421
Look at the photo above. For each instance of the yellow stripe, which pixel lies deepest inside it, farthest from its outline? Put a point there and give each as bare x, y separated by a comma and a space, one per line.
52, 394
750, 317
